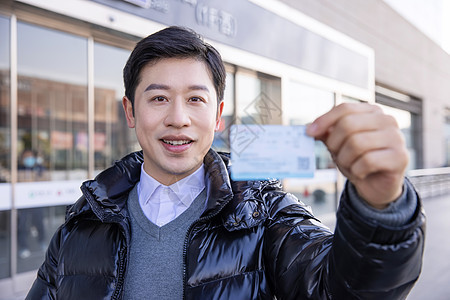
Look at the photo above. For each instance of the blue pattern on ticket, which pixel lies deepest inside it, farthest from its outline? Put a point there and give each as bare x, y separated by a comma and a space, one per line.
271, 151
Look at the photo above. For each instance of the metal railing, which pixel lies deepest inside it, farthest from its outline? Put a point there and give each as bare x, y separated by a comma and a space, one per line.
431, 182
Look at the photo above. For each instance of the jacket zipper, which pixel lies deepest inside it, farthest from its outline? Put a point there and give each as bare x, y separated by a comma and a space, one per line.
122, 252
120, 276
207, 218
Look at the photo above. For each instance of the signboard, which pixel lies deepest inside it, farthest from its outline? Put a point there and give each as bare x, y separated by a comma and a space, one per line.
5, 191
46, 193
247, 26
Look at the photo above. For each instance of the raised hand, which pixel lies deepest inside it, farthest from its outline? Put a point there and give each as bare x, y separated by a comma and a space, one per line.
368, 148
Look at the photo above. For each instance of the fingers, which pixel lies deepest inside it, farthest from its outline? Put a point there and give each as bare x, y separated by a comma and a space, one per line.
353, 126
361, 151
367, 146
361, 139
321, 126
388, 161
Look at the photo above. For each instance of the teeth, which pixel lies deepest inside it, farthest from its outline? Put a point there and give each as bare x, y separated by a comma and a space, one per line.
176, 143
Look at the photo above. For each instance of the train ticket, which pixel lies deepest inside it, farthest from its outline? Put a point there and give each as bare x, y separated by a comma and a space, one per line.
271, 151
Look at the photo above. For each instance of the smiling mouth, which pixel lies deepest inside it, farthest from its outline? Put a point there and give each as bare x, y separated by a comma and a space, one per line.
177, 142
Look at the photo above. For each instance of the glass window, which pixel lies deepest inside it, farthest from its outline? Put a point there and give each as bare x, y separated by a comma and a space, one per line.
52, 104
36, 226
447, 138
113, 139
404, 120
258, 98
349, 99
407, 110
5, 149
5, 145
5, 243
52, 133
302, 106
250, 98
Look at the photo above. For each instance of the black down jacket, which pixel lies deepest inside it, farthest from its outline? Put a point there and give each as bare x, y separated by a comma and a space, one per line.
253, 241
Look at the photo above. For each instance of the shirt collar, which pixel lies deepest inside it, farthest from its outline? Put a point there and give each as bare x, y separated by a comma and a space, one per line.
186, 189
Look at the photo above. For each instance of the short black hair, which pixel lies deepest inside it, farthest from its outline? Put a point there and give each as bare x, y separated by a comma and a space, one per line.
173, 42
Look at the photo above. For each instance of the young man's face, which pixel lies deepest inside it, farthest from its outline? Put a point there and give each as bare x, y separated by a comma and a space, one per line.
175, 116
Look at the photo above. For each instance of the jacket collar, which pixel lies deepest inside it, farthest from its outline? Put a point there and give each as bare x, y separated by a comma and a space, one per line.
107, 194
217, 181
241, 202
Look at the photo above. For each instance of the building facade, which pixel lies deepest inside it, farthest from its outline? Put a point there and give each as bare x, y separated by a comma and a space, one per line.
287, 62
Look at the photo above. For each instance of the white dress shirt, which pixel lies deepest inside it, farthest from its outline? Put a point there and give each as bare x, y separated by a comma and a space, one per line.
160, 203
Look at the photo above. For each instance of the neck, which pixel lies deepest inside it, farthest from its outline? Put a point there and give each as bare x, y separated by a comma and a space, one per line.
168, 179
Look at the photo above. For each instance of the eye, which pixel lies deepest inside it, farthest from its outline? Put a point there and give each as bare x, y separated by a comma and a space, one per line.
159, 99
196, 99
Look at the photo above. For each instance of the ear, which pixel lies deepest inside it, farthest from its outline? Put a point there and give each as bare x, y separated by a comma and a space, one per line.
128, 109
219, 115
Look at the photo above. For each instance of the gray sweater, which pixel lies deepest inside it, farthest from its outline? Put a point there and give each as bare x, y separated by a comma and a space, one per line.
155, 269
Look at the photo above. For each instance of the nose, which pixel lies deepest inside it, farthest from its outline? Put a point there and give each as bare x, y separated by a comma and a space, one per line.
177, 115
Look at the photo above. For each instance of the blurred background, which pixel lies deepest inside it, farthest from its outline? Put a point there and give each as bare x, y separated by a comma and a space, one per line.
287, 61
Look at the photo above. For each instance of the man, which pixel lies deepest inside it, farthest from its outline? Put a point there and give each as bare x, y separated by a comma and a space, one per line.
169, 223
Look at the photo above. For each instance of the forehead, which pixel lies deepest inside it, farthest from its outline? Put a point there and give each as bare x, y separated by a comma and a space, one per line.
176, 70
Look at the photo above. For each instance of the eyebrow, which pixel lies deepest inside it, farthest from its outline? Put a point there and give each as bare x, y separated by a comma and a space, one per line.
157, 86
199, 87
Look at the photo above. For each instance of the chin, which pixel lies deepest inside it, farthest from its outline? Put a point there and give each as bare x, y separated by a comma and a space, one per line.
181, 168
